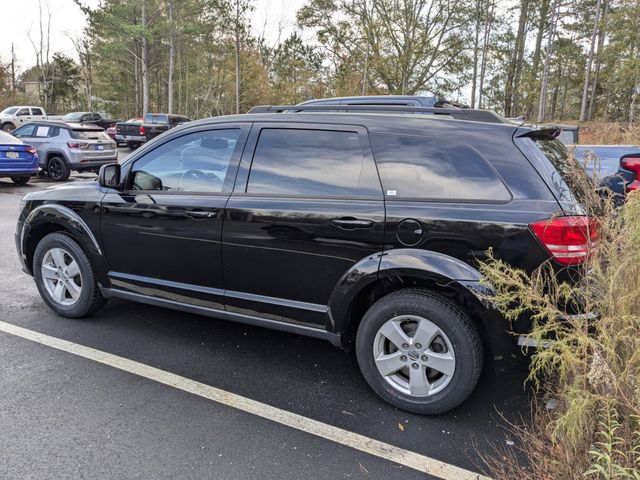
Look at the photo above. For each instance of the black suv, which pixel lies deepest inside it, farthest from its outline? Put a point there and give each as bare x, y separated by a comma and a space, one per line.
353, 227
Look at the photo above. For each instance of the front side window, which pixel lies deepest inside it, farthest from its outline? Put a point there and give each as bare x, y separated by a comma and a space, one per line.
311, 163
23, 112
25, 131
196, 162
425, 168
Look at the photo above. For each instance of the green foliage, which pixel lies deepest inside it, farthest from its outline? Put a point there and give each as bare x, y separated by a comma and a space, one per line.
440, 47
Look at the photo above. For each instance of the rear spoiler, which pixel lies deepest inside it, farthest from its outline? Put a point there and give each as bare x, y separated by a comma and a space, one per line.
546, 133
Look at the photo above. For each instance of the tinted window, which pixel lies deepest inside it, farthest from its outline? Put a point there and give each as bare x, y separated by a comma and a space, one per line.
90, 135
37, 111
23, 112
155, 118
73, 117
311, 162
196, 162
418, 167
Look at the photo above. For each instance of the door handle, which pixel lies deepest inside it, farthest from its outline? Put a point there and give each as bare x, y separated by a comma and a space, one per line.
350, 223
199, 214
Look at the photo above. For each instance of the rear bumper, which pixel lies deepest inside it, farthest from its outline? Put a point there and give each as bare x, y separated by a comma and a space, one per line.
19, 172
89, 163
134, 138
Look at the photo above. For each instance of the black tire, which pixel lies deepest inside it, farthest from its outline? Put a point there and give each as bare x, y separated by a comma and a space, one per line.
451, 320
20, 180
8, 127
58, 169
90, 299
132, 145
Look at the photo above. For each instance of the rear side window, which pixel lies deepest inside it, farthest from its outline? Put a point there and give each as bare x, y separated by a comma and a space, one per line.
424, 168
155, 118
37, 111
312, 163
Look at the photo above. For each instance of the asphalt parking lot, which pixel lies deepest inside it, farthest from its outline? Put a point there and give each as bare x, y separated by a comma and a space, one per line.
66, 416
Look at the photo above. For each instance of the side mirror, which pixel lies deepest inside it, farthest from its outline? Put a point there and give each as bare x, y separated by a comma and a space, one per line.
109, 176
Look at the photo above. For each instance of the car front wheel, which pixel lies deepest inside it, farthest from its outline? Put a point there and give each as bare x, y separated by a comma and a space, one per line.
64, 277
419, 351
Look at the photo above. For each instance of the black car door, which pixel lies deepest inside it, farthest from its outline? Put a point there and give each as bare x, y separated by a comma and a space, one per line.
306, 207
161, 234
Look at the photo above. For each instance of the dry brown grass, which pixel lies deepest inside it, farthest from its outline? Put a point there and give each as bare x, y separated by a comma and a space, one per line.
607, 133
590, 368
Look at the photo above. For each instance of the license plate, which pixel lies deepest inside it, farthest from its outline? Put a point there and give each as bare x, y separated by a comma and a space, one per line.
99, 147
13, 155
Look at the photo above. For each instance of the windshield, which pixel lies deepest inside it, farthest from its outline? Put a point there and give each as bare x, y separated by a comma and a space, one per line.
10, 110
73, 116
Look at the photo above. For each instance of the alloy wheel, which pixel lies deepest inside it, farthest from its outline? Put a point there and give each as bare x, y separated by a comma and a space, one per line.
61, 276
55, 169
414, 355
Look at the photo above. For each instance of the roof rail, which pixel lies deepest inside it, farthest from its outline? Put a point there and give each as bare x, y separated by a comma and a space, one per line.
470, 114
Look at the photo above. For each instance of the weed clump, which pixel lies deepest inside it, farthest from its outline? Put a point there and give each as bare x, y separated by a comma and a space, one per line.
590, 363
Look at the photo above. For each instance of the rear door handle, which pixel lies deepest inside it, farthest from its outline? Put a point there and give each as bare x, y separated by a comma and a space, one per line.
349, 223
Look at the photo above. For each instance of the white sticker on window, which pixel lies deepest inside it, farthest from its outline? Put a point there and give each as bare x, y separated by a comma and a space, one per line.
42, 131
392, 193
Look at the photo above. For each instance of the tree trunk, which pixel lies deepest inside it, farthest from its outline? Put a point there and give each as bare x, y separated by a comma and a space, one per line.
596, 77
542, 103
587, 70
485, 51
237, 41
476, 48
172, 39
513, 74
544, 12
145, 61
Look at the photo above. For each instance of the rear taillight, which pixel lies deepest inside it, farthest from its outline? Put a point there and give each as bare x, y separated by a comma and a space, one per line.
141, 130
32, 151
569, 240
77, 144
633, 165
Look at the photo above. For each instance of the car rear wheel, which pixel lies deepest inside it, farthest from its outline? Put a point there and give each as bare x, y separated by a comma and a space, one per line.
419, 351
64, 277
20, 180
58, 169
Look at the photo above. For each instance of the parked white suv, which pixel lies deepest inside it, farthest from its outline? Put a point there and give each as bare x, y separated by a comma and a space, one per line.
13, 117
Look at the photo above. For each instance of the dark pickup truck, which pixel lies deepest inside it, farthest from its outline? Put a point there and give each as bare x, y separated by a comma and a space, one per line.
94, 118
135, 134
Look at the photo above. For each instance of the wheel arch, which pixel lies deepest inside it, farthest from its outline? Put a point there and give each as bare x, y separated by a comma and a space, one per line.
56, 153
412, 268
50, 218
